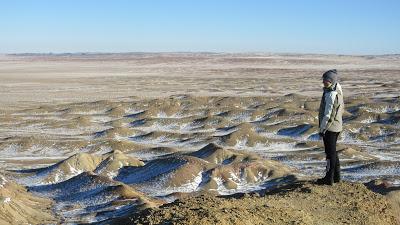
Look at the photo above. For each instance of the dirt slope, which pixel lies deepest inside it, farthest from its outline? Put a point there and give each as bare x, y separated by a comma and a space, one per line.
17, 206
301, 203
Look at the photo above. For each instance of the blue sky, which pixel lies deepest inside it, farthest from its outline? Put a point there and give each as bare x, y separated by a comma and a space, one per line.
328, 27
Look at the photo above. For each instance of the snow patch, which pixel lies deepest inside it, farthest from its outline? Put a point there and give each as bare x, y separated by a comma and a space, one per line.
384, 109
74, 171
368, 120
3, 181
241, 144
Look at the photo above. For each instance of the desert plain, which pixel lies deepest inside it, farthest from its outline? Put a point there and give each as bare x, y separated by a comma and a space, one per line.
194, 138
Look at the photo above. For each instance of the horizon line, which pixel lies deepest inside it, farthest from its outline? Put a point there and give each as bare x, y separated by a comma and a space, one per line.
183, 52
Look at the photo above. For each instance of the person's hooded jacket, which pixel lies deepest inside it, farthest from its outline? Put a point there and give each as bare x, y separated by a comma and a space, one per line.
332, 105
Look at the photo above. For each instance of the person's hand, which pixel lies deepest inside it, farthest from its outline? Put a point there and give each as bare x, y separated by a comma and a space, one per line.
321, 135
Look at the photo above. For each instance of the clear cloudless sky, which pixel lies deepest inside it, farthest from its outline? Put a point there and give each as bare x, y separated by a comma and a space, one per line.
292, 26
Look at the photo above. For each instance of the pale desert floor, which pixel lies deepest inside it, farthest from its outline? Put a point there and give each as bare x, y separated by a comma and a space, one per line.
99, 136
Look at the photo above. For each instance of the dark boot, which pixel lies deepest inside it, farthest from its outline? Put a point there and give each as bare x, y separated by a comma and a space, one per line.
336, 179
336, 176
328, 179
330, 172
325, 181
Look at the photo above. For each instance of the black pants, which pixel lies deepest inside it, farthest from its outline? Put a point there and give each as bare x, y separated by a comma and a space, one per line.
332, 159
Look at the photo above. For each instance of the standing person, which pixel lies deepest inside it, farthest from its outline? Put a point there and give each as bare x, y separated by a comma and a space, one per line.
330, 124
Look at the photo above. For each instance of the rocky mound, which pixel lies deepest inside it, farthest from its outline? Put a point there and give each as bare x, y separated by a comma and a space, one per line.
91, 197
107, 164
300, 203
163, 173
114, 132
212, 168
17, 206
243, 136
114, 161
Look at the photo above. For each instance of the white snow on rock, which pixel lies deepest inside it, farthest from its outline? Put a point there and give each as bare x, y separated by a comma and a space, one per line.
7, 200
3, 181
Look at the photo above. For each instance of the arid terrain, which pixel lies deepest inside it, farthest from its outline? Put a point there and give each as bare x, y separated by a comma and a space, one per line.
177, 138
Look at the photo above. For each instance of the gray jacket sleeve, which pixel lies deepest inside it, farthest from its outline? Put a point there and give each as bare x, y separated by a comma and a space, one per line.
329, 101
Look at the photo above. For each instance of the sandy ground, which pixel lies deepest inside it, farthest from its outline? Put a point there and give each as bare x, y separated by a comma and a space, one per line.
72, 78
124, 132
300, 203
